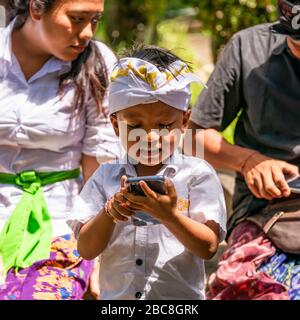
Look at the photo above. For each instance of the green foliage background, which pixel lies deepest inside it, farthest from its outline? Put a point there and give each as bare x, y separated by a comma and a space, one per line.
159, 22
138, 20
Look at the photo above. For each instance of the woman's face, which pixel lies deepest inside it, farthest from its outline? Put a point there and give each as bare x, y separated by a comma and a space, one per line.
66, 30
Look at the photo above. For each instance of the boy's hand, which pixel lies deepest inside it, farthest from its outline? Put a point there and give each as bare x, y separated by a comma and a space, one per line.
161, 207
117, 208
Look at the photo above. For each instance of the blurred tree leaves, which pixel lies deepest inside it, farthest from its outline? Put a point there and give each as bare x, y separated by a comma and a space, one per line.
136, 20
124, 22
127, 21
225, 17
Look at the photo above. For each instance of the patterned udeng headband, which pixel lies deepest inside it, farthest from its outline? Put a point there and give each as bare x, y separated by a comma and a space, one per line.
135, 81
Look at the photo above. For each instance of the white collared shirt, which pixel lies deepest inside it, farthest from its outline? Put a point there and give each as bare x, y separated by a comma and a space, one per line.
36, 134
148, 262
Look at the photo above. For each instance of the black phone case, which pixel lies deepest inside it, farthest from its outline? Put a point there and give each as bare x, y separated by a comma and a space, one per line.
155, 185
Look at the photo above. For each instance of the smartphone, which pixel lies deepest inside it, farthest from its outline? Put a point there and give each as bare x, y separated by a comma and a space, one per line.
294, 185
155, 183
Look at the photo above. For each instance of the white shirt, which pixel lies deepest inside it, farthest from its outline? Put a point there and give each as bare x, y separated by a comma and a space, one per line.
148, 262
35, 132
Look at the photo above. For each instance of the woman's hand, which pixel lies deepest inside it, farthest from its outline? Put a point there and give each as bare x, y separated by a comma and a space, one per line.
161, 207
94, 283
266, 177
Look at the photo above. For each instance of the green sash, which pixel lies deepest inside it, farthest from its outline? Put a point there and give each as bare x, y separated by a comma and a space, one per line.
27, 235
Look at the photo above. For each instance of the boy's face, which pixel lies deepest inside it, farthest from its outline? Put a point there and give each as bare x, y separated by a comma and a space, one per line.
150, 133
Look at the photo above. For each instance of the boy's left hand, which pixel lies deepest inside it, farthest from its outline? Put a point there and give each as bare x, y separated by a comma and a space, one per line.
161, 207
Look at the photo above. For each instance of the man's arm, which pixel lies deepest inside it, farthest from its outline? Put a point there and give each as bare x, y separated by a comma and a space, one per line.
265, 177
89, 166
217, 151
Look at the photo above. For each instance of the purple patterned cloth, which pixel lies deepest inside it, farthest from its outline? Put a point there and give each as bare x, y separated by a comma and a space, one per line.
284, 268
252, 268
64, 276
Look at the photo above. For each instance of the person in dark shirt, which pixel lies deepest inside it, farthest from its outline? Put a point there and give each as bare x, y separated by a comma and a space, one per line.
258, 74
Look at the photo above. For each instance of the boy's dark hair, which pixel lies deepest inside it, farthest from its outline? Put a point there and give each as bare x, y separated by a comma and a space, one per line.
160, 57
87, 71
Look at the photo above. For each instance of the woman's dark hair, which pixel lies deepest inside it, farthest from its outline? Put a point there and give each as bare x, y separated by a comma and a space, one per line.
88, 72
160, 57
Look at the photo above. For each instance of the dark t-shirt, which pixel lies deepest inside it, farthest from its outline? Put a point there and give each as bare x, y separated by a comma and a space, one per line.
258, 74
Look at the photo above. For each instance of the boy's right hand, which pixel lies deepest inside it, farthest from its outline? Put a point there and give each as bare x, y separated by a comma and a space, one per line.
117, 207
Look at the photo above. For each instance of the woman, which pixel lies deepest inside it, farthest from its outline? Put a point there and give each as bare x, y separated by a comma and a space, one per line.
53, 82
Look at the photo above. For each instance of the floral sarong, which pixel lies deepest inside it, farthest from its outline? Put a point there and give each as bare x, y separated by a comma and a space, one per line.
64, 276
253, 269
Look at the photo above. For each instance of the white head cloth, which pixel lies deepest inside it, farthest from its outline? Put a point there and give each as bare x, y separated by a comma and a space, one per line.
135, 81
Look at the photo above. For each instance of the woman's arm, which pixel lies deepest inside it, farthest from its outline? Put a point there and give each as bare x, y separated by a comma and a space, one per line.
89, 166
264, 176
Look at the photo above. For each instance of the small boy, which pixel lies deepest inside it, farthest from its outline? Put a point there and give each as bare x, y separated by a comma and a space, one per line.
150, 95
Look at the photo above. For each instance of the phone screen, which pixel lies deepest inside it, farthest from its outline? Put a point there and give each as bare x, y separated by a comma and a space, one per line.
155, 183
295, 185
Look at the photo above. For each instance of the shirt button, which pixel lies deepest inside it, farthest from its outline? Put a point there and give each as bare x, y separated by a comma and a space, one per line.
138, 295
139, 262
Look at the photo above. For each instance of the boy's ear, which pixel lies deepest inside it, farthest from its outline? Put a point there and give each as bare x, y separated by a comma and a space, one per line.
185, 120
34, 13
114, 122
